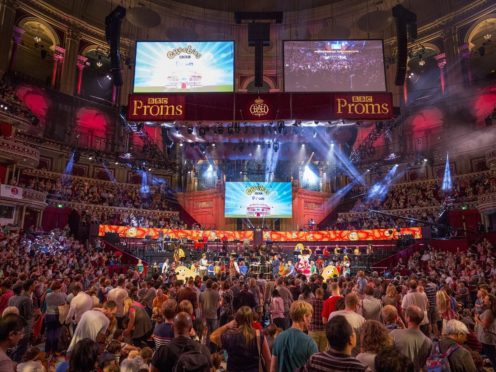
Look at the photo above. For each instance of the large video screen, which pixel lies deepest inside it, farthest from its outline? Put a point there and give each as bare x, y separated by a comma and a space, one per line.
181, 67
334, 66
258, 200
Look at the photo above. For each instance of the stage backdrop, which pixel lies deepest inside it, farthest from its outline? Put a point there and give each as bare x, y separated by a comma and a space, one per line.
275, 236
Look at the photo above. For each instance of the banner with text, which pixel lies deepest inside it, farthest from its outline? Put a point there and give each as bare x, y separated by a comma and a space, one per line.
260, 107
12, 192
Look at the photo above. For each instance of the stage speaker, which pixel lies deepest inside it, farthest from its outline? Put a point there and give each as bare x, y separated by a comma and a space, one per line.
277, 225
239, 224
406, 25
258, 36
112, 238
113, 23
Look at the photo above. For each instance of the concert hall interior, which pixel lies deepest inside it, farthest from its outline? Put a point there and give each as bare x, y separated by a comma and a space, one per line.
301, 143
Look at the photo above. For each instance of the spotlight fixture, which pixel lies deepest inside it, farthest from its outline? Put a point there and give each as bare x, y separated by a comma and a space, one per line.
425, 160
99, 63
422, 62
213, 144
181, 144
90, 158
487, 36
37, 39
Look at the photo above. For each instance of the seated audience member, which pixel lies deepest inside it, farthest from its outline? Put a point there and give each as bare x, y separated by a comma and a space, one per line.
389, 360
411, 342
247, 349
11, 332
167, 356
342, 340
374, 338
293, 347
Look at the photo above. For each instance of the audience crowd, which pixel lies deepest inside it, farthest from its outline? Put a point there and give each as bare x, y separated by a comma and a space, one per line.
63, 310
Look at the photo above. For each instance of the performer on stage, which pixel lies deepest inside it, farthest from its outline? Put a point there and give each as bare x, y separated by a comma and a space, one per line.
165, 266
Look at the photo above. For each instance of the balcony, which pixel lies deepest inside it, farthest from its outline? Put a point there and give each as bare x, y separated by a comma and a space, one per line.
13, 195
19, 153
487, 203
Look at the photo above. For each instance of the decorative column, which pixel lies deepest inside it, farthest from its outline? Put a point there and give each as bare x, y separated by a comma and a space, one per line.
7, 17
81, 64
68, 75
16, 37
58, 59
464, 53
441, 63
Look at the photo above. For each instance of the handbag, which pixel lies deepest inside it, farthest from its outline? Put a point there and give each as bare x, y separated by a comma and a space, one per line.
261, 361
63, 311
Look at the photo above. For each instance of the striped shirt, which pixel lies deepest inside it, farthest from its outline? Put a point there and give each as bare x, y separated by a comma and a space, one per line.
430, 290
331, 361
163, 334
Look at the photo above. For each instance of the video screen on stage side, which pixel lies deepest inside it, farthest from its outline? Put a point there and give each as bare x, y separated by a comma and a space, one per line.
258, 200
183, 67
334, 66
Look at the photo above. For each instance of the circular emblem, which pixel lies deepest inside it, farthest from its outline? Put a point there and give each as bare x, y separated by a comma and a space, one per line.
259, 108
14, 190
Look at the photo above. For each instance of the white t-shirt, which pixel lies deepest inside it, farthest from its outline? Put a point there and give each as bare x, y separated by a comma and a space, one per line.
355, 320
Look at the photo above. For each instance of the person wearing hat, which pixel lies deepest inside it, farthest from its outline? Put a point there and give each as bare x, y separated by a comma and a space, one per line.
460, 359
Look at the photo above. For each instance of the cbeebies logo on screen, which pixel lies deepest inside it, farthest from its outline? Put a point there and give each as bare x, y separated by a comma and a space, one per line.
363, 106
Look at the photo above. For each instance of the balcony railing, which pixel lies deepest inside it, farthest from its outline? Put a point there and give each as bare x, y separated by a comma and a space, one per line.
19, 153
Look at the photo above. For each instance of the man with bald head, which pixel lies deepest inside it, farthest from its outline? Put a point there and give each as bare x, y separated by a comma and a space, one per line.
166, 357
411, 342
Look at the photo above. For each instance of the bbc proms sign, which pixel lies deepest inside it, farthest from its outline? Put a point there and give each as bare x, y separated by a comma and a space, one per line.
259, 107
11, 192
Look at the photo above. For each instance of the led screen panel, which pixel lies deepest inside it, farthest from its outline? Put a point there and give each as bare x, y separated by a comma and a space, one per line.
184, 67
258, 200
334, 66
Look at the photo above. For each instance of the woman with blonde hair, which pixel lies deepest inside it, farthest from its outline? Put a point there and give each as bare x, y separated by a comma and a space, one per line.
391, 296
444, 308
374, 338
247, 349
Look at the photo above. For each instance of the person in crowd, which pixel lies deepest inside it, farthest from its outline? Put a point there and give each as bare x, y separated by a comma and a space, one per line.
374, 337
287, 298
276, 309
94, 324
486, 328
316, 328
12, 329
342, 340
244, 298
83, 358
370, 306
80, 303
391, 318
167, 356
451, 344
247, 349
163, 333
209, 305
330, 305
350, 313
119, 294
53, 300
22, 300
411, 342
389, 360
158, 301
5, 294
414, 297
139, 325
293, 347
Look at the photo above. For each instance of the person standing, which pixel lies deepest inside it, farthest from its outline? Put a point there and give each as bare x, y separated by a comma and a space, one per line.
371, 306
11, 332
486, 328
293, 347
415, 298
411, 342
342, 340
209, 304
247, 349
330, 303
22, 300
167, 356
316, 328
53, 300
118, 295
455, 335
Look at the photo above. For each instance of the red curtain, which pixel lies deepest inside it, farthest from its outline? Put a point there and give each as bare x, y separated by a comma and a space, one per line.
55, 218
